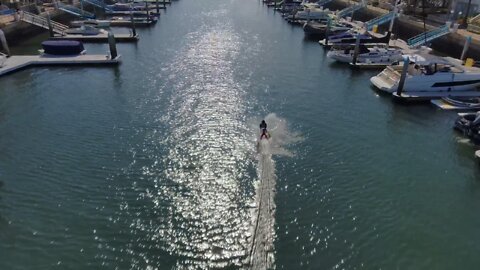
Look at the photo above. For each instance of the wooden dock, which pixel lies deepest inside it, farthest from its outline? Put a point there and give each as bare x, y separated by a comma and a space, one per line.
18, 62
102, 37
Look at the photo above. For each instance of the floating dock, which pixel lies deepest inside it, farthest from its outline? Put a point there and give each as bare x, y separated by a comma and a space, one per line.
98, 38
117, 23
129, 13
18, 62
129, 22
442, 104
429, 95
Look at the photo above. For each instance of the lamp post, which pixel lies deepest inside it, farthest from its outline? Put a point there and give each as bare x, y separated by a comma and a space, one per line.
467, 12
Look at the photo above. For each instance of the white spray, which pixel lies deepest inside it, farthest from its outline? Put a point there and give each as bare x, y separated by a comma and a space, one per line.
263, 235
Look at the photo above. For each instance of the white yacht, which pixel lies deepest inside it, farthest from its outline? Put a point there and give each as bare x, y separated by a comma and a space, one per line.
92, 22
430, 76
366, 55
84, 30
310, 11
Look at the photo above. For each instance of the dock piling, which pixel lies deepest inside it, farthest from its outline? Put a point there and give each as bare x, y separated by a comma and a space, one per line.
392, 21
158, 7
112, 44
50, 27
3, 39
401, 83
468, 40
81, 8
147, 8
132, 19
355, 51
327, 31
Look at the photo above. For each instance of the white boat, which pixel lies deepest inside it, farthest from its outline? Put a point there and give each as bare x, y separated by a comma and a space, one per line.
92, 22
84, 30
430, 76
375, 55
310, 11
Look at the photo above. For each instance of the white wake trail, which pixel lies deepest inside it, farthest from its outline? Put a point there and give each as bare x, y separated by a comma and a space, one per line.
261, 255
263, 236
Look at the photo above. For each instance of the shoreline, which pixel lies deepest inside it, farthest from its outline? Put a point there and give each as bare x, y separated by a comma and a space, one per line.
405, 27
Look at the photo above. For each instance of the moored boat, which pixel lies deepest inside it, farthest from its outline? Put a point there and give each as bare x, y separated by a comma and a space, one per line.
427, 77
319, 28
62, 47
84, 30
377, 56
309, 12
469, 125
91, 22
350, 38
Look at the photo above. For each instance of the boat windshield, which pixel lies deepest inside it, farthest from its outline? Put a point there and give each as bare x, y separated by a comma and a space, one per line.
434, 68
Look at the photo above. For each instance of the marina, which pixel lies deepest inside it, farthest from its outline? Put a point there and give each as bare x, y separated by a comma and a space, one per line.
149, 154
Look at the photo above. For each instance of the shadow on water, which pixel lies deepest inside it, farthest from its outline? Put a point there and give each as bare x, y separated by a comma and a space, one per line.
380, 93
312, 38
353, 72
412, 111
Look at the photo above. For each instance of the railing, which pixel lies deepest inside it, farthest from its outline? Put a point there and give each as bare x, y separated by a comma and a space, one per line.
380, 20
475, 19
474, 24
323, 2
426, 37
348, 10
74, 10
42, 22
97, 3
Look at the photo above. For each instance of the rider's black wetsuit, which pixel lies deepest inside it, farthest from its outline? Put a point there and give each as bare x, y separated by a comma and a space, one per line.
263, 127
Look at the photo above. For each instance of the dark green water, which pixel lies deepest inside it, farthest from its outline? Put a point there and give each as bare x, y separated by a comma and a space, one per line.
152, 165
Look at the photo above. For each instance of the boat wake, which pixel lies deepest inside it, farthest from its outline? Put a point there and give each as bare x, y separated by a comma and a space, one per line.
263, 235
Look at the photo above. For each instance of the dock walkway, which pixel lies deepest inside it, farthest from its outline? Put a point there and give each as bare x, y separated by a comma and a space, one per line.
18, 62
102, 37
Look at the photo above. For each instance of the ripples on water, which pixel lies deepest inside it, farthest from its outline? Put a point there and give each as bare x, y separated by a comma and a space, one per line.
196, 195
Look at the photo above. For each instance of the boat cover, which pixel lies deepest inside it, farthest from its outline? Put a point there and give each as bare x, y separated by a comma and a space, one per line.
62, 47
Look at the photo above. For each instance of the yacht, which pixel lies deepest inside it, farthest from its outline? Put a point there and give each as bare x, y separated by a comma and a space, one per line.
92, 22
319, 28
309, 11
373, 56
430, 76
84, 30
350, 38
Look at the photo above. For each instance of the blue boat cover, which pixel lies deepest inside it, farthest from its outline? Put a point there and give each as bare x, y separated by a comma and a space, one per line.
62, 47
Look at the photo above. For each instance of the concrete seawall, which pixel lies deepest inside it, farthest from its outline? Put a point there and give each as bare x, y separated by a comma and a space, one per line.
407, 26
16, 32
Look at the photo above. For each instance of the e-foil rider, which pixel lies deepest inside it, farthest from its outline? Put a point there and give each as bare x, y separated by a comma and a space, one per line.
263, 128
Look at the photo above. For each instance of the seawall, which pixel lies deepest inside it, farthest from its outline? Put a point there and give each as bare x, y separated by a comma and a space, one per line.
407, 26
